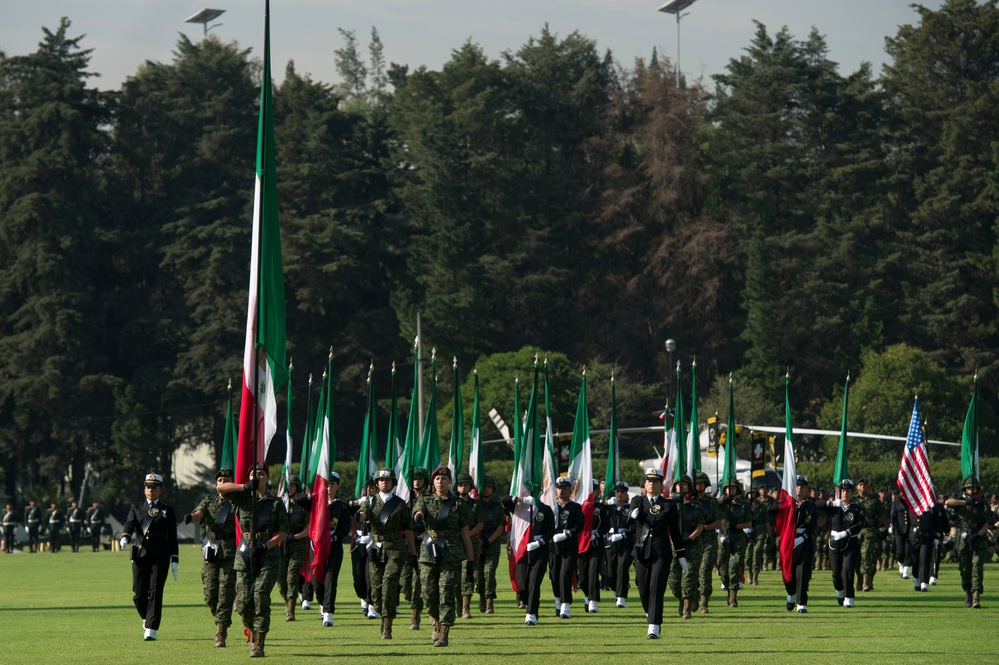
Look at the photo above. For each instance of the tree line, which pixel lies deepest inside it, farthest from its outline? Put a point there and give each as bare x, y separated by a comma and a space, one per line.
789, 217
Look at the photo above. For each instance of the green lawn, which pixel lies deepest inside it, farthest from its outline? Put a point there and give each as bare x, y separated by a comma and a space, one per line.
71, 608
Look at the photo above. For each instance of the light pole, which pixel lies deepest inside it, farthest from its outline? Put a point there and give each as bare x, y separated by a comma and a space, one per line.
204, 17
676, 8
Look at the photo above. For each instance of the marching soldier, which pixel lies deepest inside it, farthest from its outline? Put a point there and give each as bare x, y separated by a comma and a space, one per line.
974, 519
218, 574
870, 535
620, 545
411, 589
9, 528
360, 572
714, 517
151, 528
391, 544
258, 558
77, 519
97, 521
846, 519
592, 559
56, 520
806, 528
564, 548
33, 525
340, 513
900, 527
738, 519
494, 525
529, 567
756, 536
295, 547
658, 539
444, 520
683, 582
467, 583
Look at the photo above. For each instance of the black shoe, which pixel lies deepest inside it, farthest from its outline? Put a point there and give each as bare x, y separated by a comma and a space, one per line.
802, 610
839, 601
790, 606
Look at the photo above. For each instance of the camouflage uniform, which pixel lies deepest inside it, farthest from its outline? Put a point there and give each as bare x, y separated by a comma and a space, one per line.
870, 538
709, 550
467, 586
440, 577
972, 546
492, 516
293, 554
682, 585
253, 597
387, 550
732, 545
410, 577
757, 540
218, 575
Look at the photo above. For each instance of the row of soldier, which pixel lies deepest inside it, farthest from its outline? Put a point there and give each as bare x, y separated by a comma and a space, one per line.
79, 525
441, 548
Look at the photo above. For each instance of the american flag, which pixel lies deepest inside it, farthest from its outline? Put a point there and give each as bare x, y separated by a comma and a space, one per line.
914, 475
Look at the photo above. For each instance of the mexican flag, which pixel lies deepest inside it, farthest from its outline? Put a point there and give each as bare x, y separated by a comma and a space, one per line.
476, 465
404, 464
264, 352
549, 464
581, 467
842, 469
693, 435
526, 471
367, 465
310, 428
787, 506
613, 475
456, 448
324, 453
393, 445
430, 443
731, 438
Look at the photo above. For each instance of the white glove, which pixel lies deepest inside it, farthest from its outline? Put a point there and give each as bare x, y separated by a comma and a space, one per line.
837, 503
798, 541
123, 542
364, 540
800, 530
947, 538
748, 531
595, 535
528, 501
683, 565
722, 539
936, 542
634, 514
616, 537
173, 569
891, 531
559, 537
839, 535
533, 545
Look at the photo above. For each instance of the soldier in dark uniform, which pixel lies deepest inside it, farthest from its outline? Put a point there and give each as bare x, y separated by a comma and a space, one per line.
870, 535
263, 522
490, 544
732, 543
56, 521
620, 545
591, 561
33, 525
341, 513
846, 519
391, 544
900, 527
9, 528
806, 528
151, 528
443, 519
922, 532
360, 571
218, 575
564, 547
714, 517
757, 538
467, 584
682, 583
77, 518
97, 521
886, 560
974, 518
529, 568
657, 540
410, 578
295, 547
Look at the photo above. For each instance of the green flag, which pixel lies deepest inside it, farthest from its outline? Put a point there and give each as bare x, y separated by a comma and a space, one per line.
518, 438
303, 462
228, 460
694, 435
679, 433
410, 451
728, 470
969, 437
367, 464
613, 474
476, 465
842, 469
430, 444
393, 445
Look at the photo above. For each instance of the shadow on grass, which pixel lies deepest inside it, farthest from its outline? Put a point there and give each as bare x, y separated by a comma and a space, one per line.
79, 608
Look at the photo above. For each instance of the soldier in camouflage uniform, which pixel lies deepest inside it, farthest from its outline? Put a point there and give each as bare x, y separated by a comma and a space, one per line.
219, 553
391, 545
259, 556
683, 583
974, 519
732, 544
714, 517
295, 547
756, 537
444, 520
467, 586
870, 535
490, 544
410, 579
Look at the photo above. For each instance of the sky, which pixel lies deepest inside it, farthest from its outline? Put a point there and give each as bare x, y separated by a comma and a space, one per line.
125, 33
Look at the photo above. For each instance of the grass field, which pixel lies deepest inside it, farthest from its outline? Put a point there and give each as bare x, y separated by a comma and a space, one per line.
76, 608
